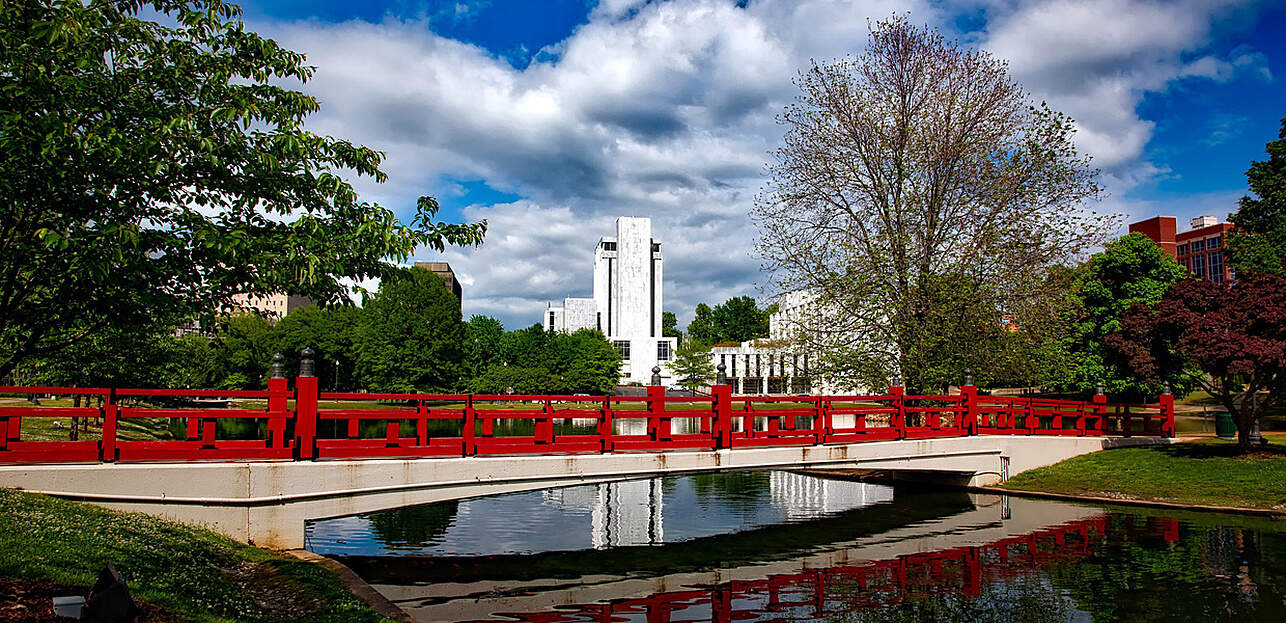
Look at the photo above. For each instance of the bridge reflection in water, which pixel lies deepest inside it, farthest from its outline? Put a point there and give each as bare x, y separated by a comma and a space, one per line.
632, 512
769, 546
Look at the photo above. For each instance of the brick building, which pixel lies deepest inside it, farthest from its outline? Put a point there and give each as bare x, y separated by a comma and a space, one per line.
1200, 249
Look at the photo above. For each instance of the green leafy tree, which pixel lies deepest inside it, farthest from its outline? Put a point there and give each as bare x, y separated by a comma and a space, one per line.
158, 168
702, 327
1260, 245
483, 337
739, 319
584, 362
526, 347
670, 325
502, 379
410, 334
331, 332
241, 353
692, 365
1131, 271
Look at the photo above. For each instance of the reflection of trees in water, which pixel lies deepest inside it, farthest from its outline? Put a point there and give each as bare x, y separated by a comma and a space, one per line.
732, 489
413, 525
1207, 573
1022, 599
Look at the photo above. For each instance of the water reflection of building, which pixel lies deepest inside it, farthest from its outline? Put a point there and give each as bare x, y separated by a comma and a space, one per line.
621, 513
802, 497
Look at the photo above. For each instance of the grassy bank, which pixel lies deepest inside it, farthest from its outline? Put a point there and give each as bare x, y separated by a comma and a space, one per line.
1205, 472
189, 573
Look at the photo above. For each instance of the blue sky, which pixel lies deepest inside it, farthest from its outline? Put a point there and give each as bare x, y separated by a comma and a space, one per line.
552, 118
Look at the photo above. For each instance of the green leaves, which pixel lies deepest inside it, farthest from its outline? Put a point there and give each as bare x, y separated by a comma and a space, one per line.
137, 163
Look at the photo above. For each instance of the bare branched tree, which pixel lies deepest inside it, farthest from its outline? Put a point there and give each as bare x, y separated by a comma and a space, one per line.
916, 176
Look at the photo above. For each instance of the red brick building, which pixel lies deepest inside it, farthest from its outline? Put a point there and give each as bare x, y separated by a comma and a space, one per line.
1200, 249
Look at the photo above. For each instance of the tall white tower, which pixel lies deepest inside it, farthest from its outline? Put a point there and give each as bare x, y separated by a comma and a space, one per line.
627, 302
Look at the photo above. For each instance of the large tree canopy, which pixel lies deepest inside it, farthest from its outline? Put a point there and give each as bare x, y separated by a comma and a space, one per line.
156, 169
915, 162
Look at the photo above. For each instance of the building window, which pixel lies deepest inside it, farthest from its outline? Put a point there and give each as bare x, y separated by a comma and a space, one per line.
598, 320
656, 247
609, 246
1216, 267
1213, 243
1199, 266
1183, 249
1197, 246
551, 321
662, 351
623, 347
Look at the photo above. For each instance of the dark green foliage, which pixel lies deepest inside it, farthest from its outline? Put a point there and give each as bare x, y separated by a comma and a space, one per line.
331, 332
670, 325
501, 379
737, 319
483, 336
157, 169
409, 336
1132, 270
1260, 245
533, 361
702, 326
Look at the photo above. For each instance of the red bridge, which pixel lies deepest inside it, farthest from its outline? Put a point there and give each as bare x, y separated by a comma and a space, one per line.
461, 425
315, 454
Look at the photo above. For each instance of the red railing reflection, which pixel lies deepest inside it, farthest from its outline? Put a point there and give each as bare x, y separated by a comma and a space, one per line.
817, 593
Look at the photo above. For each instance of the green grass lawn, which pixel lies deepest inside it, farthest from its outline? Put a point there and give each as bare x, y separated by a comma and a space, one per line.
192, 573
1207, 471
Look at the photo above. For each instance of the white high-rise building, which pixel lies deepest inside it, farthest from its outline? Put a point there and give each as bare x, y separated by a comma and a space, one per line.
627, 301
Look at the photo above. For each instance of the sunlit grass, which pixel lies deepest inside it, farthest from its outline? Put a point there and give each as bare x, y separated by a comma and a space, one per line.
1208, 472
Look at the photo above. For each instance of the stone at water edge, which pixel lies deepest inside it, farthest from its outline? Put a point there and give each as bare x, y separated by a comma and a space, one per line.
109, 601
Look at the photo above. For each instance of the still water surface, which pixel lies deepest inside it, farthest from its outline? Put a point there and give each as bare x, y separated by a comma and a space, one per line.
779, 546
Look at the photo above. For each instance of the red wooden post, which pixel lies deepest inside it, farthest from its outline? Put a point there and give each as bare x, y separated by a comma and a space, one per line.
208, 428
14, 431
819, 420
422, 425
969, 409
545, 424
899, 410
722, 414
605, 426
278, 388
657, 420
470, 446
107, 447
1167, 412
391, 435
1100, 410
1030, 421
306, 406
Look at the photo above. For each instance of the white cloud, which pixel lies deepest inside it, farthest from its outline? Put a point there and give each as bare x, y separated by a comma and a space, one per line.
666, 109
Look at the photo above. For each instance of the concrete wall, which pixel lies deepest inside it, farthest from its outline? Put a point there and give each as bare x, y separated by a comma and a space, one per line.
268, 502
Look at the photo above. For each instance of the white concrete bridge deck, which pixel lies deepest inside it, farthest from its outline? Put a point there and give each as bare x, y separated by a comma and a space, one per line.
267, 502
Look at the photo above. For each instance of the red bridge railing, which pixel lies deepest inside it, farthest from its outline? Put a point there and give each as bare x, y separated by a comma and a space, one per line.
300, 423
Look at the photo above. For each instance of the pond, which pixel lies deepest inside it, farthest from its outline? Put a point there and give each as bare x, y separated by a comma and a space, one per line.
779, 546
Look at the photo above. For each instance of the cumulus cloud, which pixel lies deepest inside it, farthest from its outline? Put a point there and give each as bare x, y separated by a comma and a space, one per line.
666, 109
